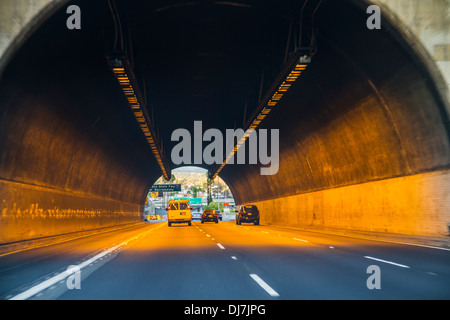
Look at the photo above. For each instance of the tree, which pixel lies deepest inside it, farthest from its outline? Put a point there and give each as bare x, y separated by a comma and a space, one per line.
211, 206
214, 206
194, 191
209, 182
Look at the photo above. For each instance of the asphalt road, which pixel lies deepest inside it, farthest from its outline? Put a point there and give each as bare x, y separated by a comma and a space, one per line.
225, 262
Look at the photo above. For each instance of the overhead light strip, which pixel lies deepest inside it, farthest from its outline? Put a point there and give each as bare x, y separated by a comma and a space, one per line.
287, 77
124, 74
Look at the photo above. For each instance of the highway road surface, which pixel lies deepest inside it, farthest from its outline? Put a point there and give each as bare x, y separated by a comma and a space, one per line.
224, 262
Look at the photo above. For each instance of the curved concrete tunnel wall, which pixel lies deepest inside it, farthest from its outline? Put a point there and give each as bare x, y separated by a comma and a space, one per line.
60, 172
358, 151
72, 158
364, 139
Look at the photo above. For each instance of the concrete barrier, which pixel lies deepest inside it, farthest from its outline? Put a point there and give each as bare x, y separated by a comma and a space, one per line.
414, 205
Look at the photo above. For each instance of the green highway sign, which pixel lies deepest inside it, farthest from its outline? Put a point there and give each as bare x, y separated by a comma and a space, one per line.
195, 201
165, 187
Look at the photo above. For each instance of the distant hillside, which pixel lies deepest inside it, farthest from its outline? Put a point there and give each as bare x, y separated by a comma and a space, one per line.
190, 169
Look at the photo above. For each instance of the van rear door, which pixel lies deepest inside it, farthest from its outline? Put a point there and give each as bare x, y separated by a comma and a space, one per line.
173, 213
185, 211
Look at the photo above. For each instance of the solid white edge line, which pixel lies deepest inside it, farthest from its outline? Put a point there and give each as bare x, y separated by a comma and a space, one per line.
416, 245
300, 240
54, 280
389, 262
61, 276
264, 285
386, 241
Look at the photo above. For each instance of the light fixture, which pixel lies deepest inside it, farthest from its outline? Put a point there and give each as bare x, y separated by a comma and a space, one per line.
287, 77
124, 74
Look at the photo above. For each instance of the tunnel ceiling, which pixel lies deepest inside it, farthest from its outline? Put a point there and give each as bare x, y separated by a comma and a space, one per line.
195, 60
204, 60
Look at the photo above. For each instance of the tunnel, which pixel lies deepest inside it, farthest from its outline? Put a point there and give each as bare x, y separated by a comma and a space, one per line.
363, 132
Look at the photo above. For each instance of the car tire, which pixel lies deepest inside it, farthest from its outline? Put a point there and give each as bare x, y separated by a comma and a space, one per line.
170, 224
256, 223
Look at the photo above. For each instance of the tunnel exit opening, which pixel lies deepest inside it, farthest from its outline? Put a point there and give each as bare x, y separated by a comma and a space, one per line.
193, 183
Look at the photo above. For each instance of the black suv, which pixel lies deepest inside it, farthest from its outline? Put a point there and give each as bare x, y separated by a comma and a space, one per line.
210, 215
249, 214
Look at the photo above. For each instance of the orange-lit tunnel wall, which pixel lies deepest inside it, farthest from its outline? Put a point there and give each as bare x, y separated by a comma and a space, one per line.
71, 156
364, 138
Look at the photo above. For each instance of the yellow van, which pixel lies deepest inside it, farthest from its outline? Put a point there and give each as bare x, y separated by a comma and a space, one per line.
179, 211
